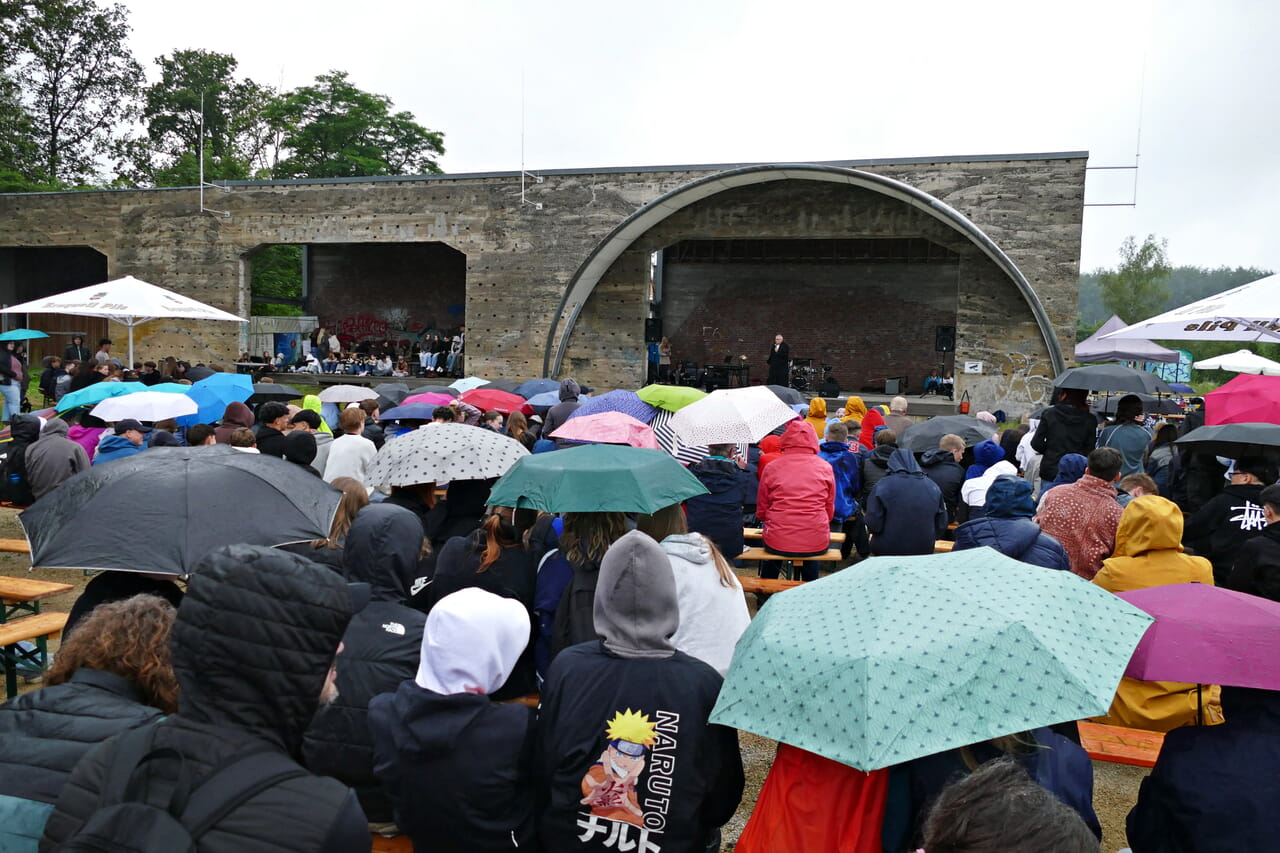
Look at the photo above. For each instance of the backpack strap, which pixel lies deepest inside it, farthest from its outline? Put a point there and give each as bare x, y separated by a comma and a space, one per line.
131, 749
235, 784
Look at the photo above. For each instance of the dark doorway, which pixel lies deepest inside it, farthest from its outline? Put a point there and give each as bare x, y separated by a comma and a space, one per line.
33, 273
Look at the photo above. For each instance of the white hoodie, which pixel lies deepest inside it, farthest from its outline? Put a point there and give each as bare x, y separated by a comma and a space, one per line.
712, 615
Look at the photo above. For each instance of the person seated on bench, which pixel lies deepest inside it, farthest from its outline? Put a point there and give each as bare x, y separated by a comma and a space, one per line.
796, 501
718, 514
905, 511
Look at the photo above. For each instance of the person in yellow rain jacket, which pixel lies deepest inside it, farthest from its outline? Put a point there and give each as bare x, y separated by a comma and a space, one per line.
818, 417
1149, 553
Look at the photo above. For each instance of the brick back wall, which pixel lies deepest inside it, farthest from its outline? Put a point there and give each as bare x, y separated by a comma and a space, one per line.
868, 321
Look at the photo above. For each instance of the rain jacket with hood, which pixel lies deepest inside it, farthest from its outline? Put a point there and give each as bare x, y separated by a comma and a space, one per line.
252, 645
854, 410
770, 450
236, 416
973, 493
1063, 429
1070, 469
113, 447
1149, 553
16, 485
312, 403
847, 467
53, 458
86, 437
380, 650
985, 454
941, 467
718, 514
1213, 787
875, 467
817, 417
867, 436
712, 615
796, 499
625, 754
559, 413
1008, 528
1219, 529
905, 512
458, 766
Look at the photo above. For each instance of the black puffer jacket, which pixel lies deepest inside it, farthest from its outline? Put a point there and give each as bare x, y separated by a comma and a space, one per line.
1063, 429
380, 649
252, 645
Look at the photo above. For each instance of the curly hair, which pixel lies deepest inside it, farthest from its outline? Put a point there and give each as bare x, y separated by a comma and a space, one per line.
129, 638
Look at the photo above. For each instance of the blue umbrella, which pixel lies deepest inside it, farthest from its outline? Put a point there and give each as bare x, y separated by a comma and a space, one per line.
22, 335
96, 393
410, 412
545, 400
214, 393
537, 386
627, 402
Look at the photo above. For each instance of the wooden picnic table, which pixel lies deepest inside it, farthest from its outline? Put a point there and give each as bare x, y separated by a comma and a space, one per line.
19, 595
1120, 745
38, 627
15, 546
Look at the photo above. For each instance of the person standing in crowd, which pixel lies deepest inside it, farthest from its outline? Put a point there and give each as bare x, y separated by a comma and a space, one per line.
1006, 526
779, 361
1084, 515
351, 454
13, 381
1065, 427
103, 355
1257, 566
53, 458
1220, 528
518, 428
309, 421
664, 360
273, 423
1127, 434
942, 465
905, 511
372, 430
76, 350
1160, 459
559, 413
796, 502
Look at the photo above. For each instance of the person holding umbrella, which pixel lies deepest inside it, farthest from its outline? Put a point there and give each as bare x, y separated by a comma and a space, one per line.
1065, 427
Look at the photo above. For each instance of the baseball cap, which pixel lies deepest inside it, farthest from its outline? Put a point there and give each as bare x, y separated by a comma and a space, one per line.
127, 424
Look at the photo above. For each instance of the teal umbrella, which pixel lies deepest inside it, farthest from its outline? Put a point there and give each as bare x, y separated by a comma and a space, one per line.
596, 478
22, 335
93, 394
909, 656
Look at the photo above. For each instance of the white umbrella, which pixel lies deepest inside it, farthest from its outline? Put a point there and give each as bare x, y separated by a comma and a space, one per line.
127, 300
145, 406
468, 383
731, 415
439, 452
347, 394
1240, 361
1250, 312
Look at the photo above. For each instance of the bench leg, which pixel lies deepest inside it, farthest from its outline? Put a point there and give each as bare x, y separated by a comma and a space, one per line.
10, 671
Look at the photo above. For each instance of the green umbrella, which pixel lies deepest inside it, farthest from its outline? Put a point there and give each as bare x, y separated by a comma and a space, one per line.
596, 478
909, 656
673, 398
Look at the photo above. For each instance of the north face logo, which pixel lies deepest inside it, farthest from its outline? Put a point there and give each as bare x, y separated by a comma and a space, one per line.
393, 628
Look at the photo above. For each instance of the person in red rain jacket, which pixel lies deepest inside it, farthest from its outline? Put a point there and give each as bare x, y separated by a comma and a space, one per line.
796, 500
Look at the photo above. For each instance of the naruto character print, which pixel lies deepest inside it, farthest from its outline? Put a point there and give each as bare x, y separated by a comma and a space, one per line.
627, 807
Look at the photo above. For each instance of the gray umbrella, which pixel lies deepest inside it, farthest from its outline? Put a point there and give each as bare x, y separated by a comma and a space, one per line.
1111, 377
1150, 404
1234, 440
264, 391
925, 436
436, 389
790, 396
393, 391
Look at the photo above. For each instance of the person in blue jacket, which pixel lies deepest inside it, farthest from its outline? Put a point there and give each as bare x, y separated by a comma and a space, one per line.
718, 514
905, 511
1007, 527
847, 466
126, 440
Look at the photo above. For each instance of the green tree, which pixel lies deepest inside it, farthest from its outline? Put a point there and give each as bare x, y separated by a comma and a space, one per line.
275, 272
1136, 289
78, 81
335, 130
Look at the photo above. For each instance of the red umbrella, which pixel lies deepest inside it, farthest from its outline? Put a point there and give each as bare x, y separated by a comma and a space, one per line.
505, 402
1246, 399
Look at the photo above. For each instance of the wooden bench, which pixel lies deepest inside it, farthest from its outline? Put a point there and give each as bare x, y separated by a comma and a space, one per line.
16, 546
19, 595
758, 533
767, 585
831, 556
943, 546
394, 844
1120, 745
38, 627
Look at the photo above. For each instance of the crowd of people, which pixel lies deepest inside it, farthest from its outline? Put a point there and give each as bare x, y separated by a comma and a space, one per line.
491, 678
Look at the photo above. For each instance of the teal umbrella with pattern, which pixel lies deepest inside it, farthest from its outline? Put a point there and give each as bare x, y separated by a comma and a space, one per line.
903, 657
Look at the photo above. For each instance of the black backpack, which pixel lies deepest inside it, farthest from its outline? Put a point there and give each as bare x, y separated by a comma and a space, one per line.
124, 823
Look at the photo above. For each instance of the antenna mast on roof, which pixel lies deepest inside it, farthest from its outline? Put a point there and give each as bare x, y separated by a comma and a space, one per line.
537, 179
225, 214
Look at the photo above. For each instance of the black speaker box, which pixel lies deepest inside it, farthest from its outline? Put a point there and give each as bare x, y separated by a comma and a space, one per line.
944, 338
653, 330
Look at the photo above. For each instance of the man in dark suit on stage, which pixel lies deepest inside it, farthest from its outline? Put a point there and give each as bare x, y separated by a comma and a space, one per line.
779, 362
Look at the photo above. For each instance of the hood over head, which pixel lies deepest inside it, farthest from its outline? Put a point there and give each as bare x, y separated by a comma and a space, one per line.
164, 438
25, 428
691, 547
300, 447
55, 426
471, 642
1071, 468
855, 408
903, 461
937, 456
312, 402
870, 421
817, 408
1010, 497
569, 389
636, 612
987, 453
1149, 523
799, 438
237, 414
382, 549
254, 639
771, 444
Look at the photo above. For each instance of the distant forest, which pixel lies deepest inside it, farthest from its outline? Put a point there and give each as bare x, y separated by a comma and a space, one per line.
1185, 284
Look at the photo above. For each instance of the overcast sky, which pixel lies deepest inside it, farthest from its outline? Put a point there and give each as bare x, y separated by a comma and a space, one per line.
668, 82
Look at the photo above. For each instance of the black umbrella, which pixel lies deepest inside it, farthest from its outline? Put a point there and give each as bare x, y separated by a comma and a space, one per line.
1150, 404
925, 435
195, 374
1233, 440
508, 385
438, 389
266, 391
790, 396
1111, 377
395, 392
163, 509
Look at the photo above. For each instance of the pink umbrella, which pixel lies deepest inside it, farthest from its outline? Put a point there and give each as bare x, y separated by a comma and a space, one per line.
608, 428
1207, 635
430, 398
1246, 399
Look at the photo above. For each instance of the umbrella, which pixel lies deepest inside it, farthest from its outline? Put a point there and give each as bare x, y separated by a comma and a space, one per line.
505, 402
1093, 348
392, 391
541, 402
200, 371
435, 389
537, 386
22, 335
1207, 635
1182, 388
468, 383
596, 478
685, 454
1245, 399
440, 452
347, 394
409, 412
1150, 404
508, 385
994, 648
1240, 361
182, 502
790, 396
265, 391
127, 300
1250, 312
626, 402
97, 392
672, 398
734, 415
1233, 440
924, 436
608, 428
1111, 377
430, 398
145, 406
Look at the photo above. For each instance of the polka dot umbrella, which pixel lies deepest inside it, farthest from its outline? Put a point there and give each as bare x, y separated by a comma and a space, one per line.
440, 452
909, 656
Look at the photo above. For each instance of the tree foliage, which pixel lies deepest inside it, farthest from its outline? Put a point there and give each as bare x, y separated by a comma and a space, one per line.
1136, 289
276, 272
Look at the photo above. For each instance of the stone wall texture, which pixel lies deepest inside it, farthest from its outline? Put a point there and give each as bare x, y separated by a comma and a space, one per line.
518, 259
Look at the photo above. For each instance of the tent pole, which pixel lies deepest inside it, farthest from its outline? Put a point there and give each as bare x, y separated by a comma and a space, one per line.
131, 346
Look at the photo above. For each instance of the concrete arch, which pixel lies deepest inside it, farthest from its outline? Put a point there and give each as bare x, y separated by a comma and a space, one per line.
588, 275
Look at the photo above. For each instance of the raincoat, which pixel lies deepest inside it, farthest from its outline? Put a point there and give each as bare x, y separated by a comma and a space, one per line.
854, 410
817, 417
712, 615
870, 421
1007, 527
770, 450
905, 512
312, 402
1063, 429
1149, 553
718, 515
53, 458
1221, 527
796, 500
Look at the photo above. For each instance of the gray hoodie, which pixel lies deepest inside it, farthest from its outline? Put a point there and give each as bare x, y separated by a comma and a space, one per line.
53, 458
559, 413
323, 441
636, 610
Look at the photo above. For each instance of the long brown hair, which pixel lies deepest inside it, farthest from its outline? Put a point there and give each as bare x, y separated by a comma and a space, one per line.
587, 535
129, 638
354, 498
516, 425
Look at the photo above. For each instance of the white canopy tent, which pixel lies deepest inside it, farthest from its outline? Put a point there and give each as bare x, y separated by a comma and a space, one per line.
1240, 361
1250, 312
129, 301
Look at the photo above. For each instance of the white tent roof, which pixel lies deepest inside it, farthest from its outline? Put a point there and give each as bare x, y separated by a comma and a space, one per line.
126, 300
1249, 312
1240, 361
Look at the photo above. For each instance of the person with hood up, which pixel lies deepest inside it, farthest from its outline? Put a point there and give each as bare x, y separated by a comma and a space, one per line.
53, 458
796, 501
126, 440
1149, 553
559, 413
942, 465
817, 417
847, 468
905, 512
1257, 566
1006, 525
875, 465
718, 514
1221, 527
854, 410
867, 435
990, 459
457, 765
235, 416
625, 755
380, 650
15, 485
1065, 427
770, 450
1070, 469
253, 648
300, 449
